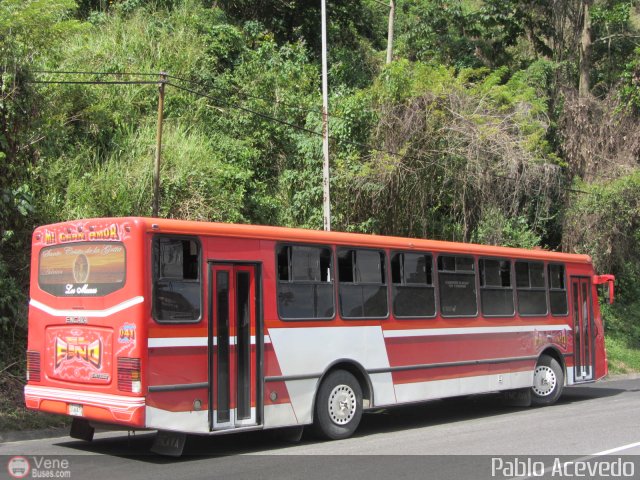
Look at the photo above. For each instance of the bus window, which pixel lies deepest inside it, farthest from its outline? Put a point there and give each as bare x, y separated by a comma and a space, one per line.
413, 292
457, 282
177, 290
530, 283
363, 285
496, 290
305, 283
557, 290
92, 269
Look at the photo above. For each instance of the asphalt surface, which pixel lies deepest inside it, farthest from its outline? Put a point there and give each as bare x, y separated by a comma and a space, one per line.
455, 438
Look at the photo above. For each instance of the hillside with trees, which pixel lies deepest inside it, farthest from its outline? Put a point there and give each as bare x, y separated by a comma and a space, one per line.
497, 121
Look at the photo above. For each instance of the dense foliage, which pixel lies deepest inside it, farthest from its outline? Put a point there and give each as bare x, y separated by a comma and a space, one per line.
479, 130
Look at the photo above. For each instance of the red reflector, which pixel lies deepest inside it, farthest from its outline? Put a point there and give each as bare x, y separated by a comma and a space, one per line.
33, 366
128, 372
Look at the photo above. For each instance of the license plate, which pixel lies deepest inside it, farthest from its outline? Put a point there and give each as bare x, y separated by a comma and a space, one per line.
75, 410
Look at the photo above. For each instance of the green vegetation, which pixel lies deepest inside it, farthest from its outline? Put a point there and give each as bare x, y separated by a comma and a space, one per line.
490, 126
623, 336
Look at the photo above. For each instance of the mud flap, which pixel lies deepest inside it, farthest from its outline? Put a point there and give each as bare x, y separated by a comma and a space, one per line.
517, 398
81, 429
170, 444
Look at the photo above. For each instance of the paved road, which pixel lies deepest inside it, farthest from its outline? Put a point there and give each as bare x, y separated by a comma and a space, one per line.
415, 441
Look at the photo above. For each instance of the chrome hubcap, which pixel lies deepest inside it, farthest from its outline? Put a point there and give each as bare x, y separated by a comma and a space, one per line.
544, 380
342, 404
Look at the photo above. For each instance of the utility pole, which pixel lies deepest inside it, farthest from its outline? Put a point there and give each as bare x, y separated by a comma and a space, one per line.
156, 169
392, 10
326, 204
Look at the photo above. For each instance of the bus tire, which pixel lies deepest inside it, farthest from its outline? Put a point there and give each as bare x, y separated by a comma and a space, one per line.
548, 381
338, 407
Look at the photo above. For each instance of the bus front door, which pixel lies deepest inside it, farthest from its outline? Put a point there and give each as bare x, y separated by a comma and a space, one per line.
233, 358
583, 329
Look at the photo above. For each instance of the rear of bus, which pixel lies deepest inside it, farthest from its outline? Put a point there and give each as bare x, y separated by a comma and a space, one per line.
86, 321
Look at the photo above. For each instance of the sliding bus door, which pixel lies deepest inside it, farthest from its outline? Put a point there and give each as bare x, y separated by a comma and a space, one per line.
233, 353
583, 329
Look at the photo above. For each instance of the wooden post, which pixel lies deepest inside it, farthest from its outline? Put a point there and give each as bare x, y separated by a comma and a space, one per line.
156, 169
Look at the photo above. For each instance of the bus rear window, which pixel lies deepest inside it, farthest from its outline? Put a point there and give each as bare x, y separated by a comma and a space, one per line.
82, 269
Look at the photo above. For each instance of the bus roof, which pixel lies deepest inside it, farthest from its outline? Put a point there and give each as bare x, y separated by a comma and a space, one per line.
286, 234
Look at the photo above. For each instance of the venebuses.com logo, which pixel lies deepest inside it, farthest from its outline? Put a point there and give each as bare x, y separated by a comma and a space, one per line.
18, 467
38, 467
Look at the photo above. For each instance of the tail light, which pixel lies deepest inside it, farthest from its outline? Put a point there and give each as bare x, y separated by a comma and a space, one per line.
33, 366
129, 375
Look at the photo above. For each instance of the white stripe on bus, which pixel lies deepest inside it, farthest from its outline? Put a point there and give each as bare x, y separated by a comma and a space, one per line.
430, 332
107, 312
178, 342
159, 342
80, 396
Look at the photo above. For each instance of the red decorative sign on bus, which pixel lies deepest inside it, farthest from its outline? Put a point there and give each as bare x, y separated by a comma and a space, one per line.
110, 232
80, 354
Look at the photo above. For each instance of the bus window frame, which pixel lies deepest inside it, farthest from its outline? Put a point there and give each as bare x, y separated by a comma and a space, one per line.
385, 263
334, 269
476, 283
536, 289
155, 278
566, 289
434, 285
512, 276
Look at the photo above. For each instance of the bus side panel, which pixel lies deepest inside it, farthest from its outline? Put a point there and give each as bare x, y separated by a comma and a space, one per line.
179, 356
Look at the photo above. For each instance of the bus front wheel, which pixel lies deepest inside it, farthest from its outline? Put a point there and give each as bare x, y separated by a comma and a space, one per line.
338, 408
548, 381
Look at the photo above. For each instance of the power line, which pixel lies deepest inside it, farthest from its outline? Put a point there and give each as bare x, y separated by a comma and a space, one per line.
235, 106
192, 82
256, 97
209, 97
77, 72
95, 82
319, 134
247, 110
292, 125
244, 109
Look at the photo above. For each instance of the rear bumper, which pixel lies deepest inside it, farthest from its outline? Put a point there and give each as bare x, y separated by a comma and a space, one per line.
102, 407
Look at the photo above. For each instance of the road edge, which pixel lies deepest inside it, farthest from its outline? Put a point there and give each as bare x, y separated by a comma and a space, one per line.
25, 435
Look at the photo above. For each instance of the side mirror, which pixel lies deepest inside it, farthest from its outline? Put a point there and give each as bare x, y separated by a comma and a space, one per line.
607, 280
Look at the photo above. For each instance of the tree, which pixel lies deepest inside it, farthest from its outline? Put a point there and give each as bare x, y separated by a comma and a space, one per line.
29, 31
585, 51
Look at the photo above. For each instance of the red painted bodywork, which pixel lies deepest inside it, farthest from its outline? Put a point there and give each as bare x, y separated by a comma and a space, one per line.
246, 243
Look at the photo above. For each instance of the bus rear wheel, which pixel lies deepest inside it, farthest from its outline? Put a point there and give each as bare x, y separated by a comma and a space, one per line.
338, 408
548, 381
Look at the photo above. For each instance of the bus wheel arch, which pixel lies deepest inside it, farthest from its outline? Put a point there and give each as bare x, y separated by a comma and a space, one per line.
548, 378
553, 352
343, 383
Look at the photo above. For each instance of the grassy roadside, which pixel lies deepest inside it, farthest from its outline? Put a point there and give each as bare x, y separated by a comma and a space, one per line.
623, 358
622, 329
14, 415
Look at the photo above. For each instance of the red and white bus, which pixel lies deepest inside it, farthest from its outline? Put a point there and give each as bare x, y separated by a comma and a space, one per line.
208, 328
